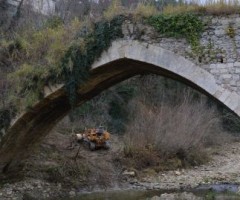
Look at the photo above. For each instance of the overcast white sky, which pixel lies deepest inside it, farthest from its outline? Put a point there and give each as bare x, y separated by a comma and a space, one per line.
198, 1
203, 1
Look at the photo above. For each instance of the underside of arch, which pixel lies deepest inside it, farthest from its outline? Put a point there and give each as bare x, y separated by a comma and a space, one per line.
123, 60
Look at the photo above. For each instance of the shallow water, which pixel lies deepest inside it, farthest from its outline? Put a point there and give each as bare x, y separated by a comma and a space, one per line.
117, 195
224, 187
208, 192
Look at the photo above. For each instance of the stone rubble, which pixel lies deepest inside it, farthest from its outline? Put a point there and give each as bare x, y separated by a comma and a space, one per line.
173, 196
224, 168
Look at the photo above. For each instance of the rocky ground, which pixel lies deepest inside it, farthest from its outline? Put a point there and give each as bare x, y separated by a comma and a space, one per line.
224, 168
48, 178
61, 168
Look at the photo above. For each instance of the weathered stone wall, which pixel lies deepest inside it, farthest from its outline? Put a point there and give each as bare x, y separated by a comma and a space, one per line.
227, 69
220, 47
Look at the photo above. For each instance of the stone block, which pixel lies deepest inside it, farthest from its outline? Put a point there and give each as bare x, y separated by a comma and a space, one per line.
235, 77
229, 65
234, 88
219, 92
237, 64
219, 32
223, 71
233, 101
214, 71
221, 65
237, 70
225, 94
226, 76
237, 110
233, 83
213, 66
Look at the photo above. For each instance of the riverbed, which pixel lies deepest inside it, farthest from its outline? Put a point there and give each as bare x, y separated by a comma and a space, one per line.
220, 192
223, 169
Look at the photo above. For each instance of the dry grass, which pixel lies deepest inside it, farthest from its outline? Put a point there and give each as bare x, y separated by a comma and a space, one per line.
176, 134
68, 169
223, 7
145, 10
54, 162
113, 10
178, 9
211, 7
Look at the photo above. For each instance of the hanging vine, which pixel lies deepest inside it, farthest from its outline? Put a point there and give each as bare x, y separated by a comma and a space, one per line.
51, 56
77, 61
46, 63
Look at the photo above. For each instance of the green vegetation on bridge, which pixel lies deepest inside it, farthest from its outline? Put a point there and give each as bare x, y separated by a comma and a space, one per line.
63, 53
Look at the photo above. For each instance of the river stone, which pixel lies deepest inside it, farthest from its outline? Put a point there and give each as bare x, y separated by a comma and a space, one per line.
189, 196
167, 197
129, 173
177, 173
72, 193
155, 198
173, 196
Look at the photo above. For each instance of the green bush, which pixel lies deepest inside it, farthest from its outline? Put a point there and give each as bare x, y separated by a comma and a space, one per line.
187, 26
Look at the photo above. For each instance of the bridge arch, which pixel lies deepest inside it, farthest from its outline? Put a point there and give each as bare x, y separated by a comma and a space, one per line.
124, 59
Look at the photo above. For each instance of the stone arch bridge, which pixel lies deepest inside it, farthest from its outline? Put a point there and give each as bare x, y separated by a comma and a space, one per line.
125, 58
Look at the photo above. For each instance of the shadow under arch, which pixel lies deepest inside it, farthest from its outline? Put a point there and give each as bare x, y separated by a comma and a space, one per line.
121, 61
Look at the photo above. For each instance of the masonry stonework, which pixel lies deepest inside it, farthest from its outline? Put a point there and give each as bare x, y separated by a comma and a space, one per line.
220, 44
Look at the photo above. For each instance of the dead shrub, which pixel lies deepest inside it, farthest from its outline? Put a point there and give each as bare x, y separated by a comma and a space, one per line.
68, 171
145, 10
173, 131
210, 7
222, 7
102, 174
140, 158
114, 9
181, 8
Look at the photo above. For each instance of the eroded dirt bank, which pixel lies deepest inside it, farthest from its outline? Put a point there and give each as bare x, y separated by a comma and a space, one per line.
57, 170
